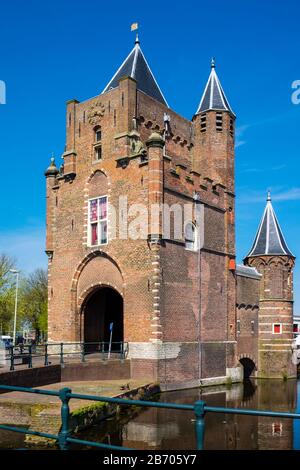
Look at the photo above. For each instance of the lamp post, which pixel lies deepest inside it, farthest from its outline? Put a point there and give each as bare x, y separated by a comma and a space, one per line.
14, 271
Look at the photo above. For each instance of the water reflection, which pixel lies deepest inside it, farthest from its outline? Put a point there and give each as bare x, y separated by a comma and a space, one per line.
171, 429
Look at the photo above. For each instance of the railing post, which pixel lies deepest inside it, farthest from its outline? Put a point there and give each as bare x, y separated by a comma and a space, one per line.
102, 348
46, 363
199, 423
82, 353
122, 350
12, 362
61, 353
30, 358
65, 430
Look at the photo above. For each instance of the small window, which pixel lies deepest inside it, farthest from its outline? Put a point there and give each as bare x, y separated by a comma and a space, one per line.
252, 327
190, 234
98, 143
98, 135
277, 328
238, 326
203, 123
98, 152
98, 221
219, 122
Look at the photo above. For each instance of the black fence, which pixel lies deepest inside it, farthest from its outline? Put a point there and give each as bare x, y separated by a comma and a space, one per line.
60, 353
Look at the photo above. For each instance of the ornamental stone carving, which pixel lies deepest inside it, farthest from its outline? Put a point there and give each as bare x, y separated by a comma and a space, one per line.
96, 112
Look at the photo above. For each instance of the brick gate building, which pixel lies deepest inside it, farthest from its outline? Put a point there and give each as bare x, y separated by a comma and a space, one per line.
172, 298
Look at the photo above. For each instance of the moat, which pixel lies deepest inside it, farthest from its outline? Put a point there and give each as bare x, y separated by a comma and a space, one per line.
158, 429
162, 429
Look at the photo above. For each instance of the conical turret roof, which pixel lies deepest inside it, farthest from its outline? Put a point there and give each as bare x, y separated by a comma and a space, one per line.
269, 239
213, 97
136, 66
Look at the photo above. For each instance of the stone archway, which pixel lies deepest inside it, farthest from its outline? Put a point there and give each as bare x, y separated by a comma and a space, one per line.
96, 270
249, 367
103, 311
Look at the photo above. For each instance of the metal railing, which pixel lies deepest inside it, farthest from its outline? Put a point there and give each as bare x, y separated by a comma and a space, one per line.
64, 437
29, 354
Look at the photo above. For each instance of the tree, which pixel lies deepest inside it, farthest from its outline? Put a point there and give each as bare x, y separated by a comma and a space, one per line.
33, 300
7, 293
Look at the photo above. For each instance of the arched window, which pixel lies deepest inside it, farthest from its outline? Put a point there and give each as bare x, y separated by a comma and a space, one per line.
191, 236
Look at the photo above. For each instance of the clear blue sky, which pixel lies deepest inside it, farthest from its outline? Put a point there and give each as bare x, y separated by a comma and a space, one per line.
58, 50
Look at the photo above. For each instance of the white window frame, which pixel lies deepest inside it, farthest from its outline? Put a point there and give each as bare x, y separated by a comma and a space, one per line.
98, 221
273, 328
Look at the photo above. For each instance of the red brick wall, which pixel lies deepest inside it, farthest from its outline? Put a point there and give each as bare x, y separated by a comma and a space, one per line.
276, 306
247, 312
163, 285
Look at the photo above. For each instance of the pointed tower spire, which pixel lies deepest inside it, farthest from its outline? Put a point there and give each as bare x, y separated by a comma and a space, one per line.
214, 97
269, 238
136, 66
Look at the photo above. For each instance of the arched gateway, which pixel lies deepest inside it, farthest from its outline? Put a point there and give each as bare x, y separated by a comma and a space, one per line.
103, 310
249, 367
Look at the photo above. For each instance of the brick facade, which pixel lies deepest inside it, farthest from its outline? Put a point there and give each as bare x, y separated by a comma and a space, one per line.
248, 286
179, 306
275, 308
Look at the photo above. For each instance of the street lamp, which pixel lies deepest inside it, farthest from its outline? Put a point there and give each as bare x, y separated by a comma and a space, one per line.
14, 271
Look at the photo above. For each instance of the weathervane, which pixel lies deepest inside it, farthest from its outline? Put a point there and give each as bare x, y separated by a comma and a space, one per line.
135, 27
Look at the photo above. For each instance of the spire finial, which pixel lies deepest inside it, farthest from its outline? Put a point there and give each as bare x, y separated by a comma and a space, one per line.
269, 196
135, 27
52, 168
213, 63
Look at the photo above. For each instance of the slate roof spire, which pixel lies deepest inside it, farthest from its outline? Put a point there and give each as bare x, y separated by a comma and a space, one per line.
136, 66
214, 97
269, 239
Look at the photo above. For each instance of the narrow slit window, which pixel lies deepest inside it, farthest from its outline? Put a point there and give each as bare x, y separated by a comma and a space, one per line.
219, 122
203, 123
98, 143
231, 129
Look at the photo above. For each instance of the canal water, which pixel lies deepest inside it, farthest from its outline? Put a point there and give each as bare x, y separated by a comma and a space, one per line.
162, 429
158, 429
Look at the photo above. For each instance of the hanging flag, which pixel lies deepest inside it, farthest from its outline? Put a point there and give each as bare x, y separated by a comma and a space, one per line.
111, 326
134, 26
